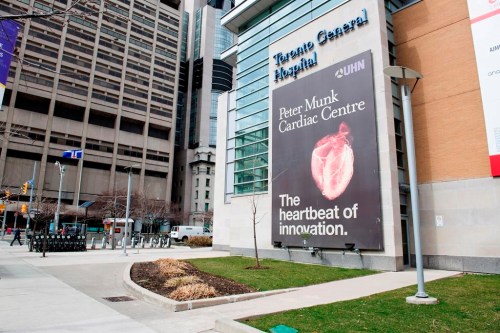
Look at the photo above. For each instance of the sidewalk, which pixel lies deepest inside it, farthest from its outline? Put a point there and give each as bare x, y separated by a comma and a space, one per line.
65, 292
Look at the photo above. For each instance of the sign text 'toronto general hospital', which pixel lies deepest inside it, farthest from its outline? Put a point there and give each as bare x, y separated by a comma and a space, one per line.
307, 48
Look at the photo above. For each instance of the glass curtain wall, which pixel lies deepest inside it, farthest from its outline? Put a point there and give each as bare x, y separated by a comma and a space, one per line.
223, 40
252, 94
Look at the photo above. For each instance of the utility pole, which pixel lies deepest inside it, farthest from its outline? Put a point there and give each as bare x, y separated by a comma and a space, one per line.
32, 184
61, 174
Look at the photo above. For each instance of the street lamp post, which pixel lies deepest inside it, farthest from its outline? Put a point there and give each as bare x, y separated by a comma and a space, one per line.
61, 174
127, 211
32, 184
404, 73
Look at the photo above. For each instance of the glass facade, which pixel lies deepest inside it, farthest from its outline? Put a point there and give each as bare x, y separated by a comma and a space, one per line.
223, 38
197, 34
252, 94
193, 133
212, 139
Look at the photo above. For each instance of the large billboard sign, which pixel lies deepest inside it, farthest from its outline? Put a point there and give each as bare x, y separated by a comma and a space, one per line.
485, 25
8, 36
325, 171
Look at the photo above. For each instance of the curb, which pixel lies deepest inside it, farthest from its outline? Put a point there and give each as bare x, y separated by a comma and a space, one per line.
175, 306
226, 325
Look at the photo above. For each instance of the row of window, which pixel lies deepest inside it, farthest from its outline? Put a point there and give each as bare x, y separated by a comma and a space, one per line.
207, 194
251, 162
207, 182
207, 207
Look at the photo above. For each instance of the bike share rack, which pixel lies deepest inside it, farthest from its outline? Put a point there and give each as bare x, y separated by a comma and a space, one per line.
60, 243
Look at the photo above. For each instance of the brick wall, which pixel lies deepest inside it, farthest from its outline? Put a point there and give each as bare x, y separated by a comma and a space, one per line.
435, 39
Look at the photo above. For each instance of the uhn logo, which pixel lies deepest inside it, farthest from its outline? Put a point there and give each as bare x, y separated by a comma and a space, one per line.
350, 69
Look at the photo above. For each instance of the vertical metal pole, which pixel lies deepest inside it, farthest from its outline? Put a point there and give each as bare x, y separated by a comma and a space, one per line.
17, 212
78, 194
56, 220
32, 184
127, 211
412, 172
4, 221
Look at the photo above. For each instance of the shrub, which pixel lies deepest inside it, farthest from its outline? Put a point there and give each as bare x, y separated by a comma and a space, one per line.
171, 267
193, 291
181, 281
199, 241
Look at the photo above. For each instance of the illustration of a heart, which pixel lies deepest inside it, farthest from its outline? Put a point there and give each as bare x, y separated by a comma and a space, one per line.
332, 163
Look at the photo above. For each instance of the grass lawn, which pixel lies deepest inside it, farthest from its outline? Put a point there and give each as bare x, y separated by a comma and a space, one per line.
469, 303
280, 275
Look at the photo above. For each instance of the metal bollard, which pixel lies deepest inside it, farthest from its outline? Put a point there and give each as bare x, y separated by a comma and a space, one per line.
150, 242
92, 243
142, 242
103, 243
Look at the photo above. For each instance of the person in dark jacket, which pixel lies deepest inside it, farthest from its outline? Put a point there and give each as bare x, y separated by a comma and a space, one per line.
17, 235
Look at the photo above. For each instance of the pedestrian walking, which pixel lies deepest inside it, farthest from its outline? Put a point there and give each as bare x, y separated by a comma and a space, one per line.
17, 235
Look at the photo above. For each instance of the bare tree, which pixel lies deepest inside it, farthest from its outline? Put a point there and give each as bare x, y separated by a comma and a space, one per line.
111, 205
149, 210
206, 217
177, 215
43, 211
7, 132
255, 219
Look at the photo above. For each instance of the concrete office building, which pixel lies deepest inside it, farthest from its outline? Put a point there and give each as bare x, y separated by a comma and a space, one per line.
204, 76
102, 79
314, 134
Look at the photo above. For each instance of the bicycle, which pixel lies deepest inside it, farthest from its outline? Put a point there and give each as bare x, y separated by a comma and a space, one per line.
136, 239
165, 241
161, 241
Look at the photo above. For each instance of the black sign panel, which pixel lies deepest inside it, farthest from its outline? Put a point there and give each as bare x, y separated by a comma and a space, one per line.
325, 172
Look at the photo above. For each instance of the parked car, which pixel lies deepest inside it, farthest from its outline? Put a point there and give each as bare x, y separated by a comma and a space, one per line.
183, 232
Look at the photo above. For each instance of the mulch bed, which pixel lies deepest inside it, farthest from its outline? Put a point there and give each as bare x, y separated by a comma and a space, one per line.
148, 276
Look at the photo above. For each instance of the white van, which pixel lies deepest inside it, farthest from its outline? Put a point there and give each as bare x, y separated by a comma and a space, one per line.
183, 232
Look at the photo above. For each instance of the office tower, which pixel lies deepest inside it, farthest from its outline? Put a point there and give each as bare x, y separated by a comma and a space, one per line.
204, 76
102, 78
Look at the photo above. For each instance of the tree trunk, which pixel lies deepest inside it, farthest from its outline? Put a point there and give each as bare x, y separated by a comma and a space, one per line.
254, 213
45, 238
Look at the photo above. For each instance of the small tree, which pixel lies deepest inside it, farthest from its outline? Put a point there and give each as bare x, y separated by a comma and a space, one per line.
111, 205
254, 212
150, 210
207, 218
43, 212
255, 221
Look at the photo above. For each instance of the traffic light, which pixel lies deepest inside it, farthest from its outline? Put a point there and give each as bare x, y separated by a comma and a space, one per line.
24, 208
25, 188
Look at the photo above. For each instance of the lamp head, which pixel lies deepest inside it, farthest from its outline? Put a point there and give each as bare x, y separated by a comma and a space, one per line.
402, 72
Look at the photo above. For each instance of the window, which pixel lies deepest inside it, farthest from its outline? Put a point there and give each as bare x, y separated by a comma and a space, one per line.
196, 207
208, 170
196, 194
197, 182
207, 183
207, 206
207, 194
